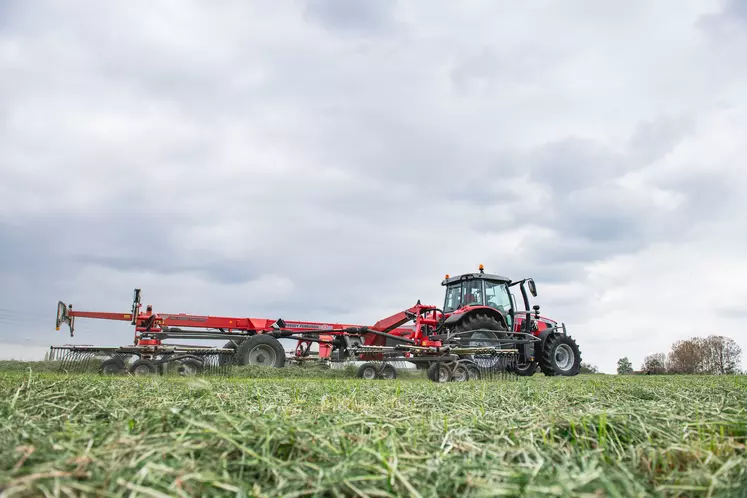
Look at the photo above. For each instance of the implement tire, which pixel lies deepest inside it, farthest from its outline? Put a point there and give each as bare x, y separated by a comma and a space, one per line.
560, 356
190, 367
262, 350
439, 372
112, 366
143, 367
526, 370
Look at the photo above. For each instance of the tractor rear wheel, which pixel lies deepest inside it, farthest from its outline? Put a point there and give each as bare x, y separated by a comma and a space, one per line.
263, 350
560, 356
477, 321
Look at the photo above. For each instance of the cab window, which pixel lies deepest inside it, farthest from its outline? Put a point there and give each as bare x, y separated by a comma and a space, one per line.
498, 297
453, 298
472, 295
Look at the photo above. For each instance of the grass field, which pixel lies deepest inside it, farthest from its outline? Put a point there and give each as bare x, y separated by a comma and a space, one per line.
307, 435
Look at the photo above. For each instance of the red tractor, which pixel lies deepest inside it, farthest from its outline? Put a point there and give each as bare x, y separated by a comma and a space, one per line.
483, 303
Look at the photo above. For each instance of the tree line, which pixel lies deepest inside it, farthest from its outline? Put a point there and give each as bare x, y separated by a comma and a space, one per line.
714, 355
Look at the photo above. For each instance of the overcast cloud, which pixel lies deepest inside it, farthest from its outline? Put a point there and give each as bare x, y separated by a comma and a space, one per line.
332, 160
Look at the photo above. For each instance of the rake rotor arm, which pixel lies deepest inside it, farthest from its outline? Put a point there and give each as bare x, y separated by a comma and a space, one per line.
392, 322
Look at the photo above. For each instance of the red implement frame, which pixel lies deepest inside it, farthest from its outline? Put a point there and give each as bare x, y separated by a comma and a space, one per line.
151, 328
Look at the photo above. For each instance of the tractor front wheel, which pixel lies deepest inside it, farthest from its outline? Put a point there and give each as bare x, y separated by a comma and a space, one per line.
560, 356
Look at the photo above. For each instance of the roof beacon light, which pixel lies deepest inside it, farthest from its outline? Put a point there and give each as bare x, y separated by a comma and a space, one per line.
482, 269
446, 277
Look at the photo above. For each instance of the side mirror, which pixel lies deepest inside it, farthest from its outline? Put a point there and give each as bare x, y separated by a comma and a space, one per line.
532, 287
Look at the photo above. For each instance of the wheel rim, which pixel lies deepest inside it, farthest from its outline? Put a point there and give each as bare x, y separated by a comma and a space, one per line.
111, 369
369, 373
387, 373
481, 339
474, 372
443, 373
485, 339
262, 355
564, 357
141, 370
189, 369
460, 374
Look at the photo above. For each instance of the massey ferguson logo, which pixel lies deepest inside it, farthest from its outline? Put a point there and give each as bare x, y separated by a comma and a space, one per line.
306, 326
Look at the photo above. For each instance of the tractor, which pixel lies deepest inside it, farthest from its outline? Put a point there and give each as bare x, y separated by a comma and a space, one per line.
484, 303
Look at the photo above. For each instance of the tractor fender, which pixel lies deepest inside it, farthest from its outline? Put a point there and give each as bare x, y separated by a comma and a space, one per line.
455, 318
543, 335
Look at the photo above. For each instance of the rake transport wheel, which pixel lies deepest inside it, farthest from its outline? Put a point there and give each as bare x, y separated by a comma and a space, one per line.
263, 350
439, 372
143, 367
387, 372
526, 370
560, 356
190, 367
112, 366
472, 369
460, 373
366, 371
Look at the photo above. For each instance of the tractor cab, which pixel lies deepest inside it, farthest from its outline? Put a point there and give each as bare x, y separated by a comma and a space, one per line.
479, 289
485, 289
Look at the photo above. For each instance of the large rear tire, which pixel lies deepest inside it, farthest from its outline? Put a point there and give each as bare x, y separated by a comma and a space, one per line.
477, 321
262, 350
560, 356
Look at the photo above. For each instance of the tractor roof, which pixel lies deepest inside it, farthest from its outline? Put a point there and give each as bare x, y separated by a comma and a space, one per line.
469, 276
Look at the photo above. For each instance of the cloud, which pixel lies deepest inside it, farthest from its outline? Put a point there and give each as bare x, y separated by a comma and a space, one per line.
332, 160
351, 16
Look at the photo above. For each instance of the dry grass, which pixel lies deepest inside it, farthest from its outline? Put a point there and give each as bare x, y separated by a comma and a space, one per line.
320, 436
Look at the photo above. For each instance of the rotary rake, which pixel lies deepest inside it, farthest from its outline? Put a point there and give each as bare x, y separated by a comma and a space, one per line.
457, 360
181, 360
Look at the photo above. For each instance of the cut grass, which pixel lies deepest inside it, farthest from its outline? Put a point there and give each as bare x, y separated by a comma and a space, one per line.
327, 436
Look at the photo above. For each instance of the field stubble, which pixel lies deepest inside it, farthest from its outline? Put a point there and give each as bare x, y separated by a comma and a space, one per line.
290, 434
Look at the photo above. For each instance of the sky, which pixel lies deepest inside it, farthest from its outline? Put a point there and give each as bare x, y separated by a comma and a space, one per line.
331, 160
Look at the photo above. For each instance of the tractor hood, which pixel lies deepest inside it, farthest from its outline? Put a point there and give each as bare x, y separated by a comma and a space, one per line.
542, 323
